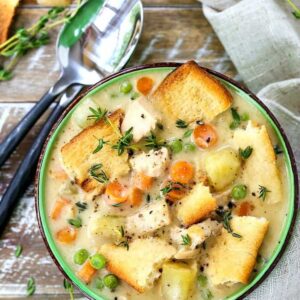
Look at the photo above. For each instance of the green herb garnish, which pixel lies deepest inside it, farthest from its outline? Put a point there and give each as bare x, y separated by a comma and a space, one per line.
188, 133
186, 240
181, 124
30, 286
26, 39
75, 222
277, 149
81, 206
202, 280
296, 10
263, 192
245, 153
69, 287
226, 223
101, 143
124, 244
18, 251
236, 119
152, 142
172, 186
97, 114
124, 141
98, 174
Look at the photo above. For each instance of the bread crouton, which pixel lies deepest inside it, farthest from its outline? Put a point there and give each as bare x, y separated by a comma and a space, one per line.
196, 205
260, 168
190, 93
150, 218
78, 157
232, 259
139, 265
7, 11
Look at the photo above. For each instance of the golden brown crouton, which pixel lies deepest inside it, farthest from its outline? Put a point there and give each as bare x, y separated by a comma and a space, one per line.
196, 205
260, 168
190, 93
139, 265
232, 259
78, 157
7, 11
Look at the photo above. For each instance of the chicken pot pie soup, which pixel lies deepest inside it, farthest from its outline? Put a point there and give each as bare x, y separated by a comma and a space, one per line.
165, 184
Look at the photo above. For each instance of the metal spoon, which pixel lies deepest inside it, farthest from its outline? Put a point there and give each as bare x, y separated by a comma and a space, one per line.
96, 37
86, 53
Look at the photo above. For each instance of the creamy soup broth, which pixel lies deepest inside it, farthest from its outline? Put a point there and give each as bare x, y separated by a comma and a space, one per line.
111, 98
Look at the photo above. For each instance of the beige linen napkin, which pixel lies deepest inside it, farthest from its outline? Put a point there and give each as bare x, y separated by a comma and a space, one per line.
262, 38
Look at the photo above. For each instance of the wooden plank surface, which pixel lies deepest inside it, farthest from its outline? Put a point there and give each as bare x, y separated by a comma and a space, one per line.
174, 30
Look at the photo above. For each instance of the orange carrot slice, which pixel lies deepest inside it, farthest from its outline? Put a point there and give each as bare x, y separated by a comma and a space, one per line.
116, 193
66, 235
145, 85
87, 272
135, 197
244, 209
205, 136
182, 171
58, 207
143, 181
177, 191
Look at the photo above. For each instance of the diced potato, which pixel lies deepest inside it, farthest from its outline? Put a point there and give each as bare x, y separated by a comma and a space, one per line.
222, 167
80, 115
106, 227
177, 281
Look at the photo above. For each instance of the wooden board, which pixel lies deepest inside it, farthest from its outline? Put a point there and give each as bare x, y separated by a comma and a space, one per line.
174, 30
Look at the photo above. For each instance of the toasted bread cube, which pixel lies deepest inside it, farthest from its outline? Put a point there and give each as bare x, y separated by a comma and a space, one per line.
148, 219
78, 157
190, 93
261, 160
139, 265
178, 281
222, 167
196, 205
141, 116
232, 259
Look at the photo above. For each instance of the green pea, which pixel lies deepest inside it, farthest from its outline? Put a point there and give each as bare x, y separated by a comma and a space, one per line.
239, 192
80, 256
190, 147
98, 261
111, 281
126, 87
176, 146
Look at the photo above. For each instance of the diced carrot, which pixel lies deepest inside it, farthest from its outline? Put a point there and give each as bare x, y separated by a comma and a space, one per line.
60, 175
58, 207
145, 85
205, 136
135, 196
182, 171
177, 191
142, 181
66, 235
116, 193
86, 272
244, 209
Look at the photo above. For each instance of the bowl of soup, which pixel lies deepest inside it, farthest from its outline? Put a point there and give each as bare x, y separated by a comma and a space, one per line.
166, 181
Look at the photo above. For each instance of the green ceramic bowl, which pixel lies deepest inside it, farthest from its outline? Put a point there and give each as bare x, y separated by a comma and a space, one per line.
247, 96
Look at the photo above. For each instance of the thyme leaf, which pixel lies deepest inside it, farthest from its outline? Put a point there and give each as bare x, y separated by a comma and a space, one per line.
98, 174
30, 286
100, 145
18, 251
263, 192
152, 142
188, 133
181, 124
186, 240
69, 287
97, 114
245, 153
226, 217
81, 206
124, 141
75, 222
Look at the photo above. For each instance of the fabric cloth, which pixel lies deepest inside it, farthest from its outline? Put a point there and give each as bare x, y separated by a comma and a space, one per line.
262, 38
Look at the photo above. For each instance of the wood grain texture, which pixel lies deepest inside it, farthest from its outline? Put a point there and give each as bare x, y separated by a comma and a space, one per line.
175, 30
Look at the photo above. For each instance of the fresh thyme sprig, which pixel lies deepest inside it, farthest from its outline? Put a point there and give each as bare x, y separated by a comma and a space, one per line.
97, 114
296, 10
172, 186
30, 286
226, 217
263, 192
98, 174
82, 206
100, 145
152, 142
245, 153
69, 287
124, 142
186, 240
26, 39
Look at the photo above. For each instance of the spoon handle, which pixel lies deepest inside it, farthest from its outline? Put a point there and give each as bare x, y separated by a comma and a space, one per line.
25, 172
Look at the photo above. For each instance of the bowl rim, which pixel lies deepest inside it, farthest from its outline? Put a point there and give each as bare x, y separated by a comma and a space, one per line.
239, 86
